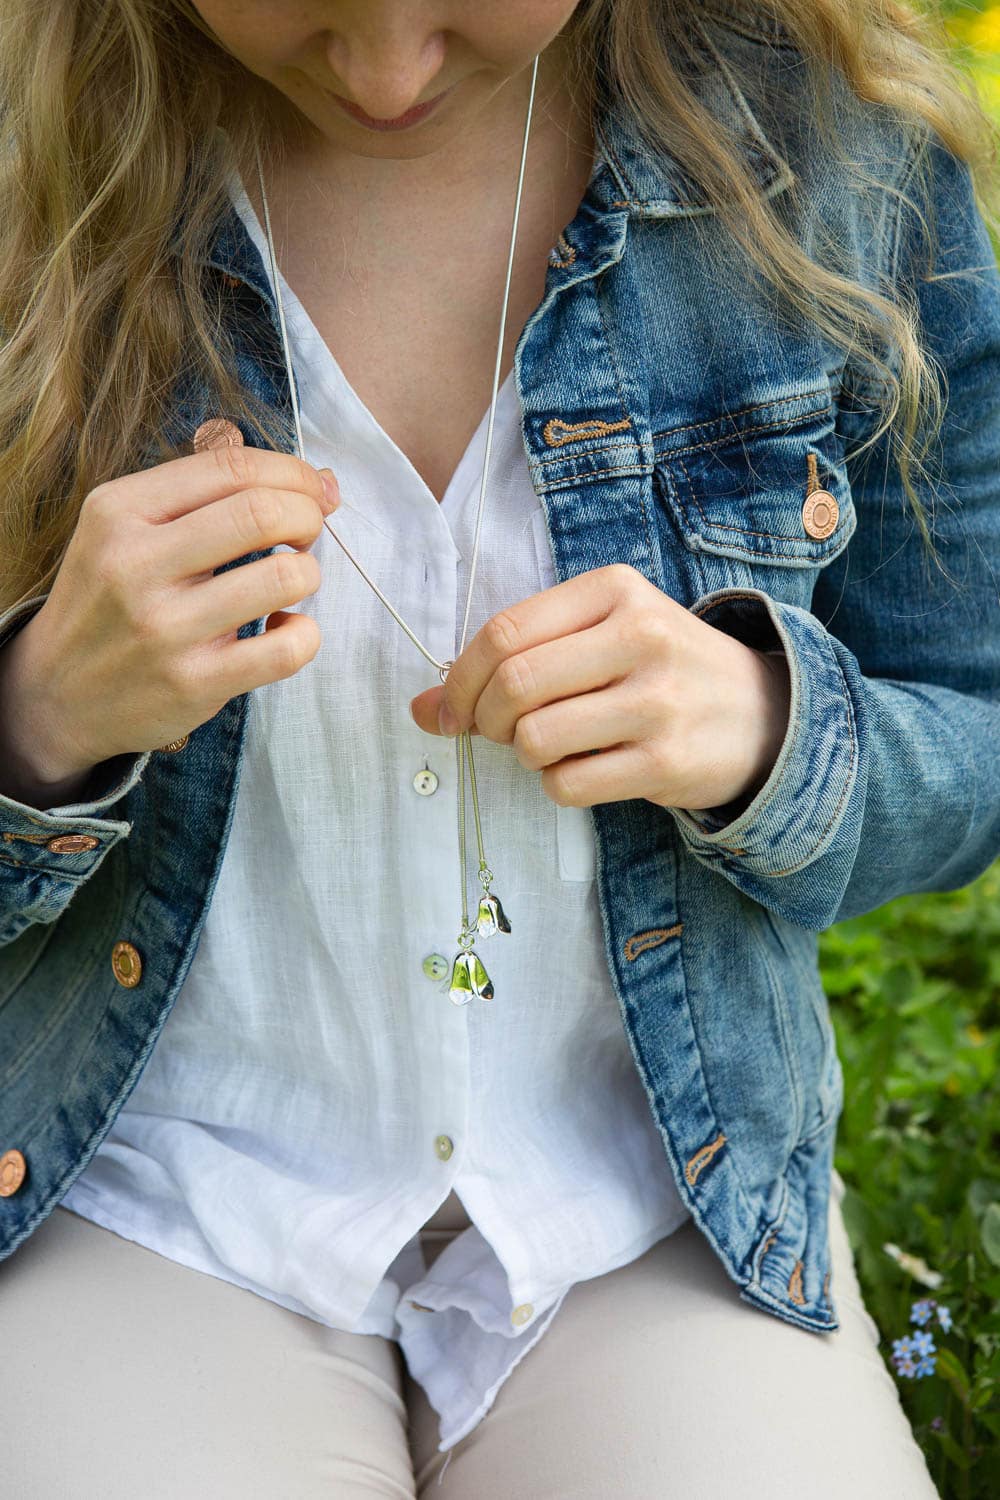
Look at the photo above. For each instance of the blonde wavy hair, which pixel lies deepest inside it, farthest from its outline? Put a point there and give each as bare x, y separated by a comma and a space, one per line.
113, 180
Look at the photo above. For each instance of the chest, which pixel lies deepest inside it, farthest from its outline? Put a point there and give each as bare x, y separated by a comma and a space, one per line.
410, 308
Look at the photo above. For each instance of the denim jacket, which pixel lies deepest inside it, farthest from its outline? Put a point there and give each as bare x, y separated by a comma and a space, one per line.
669, 419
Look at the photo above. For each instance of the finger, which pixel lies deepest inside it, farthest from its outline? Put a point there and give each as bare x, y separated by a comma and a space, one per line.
213, 606
424, 711
610, 716
562, 610
185, 484
287, 644
616, 774
558, 669
249, 521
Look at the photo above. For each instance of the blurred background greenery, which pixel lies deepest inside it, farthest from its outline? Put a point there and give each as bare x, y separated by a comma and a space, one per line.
915, 998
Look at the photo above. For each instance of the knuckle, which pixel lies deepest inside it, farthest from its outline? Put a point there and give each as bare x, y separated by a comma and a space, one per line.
622, 576
179, 676
98, 503
310, 639
260, 513
312, 481
529, 742
114, 571
557, 788
645, 630
309, 517
294, 574
657, 753
502, 634
514, 678
310, 571
292, 648
235, 464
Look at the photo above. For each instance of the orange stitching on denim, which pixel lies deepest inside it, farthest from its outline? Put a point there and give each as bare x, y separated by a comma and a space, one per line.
731, 849
574, 431
795, 1284
744, 410
562, 484
569, 253
559, 458
741, 432
641, 942
702, 1157
770, 1241
27, 838
812, 480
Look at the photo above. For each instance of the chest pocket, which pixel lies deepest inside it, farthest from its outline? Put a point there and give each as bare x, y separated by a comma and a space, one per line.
737, 488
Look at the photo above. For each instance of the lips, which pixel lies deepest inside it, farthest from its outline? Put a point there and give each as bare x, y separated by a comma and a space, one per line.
401, 122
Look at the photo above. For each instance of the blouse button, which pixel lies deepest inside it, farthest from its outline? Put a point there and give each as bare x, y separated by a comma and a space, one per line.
425, 782
522, 1314
127, 965
12, 1172
435, 966
444, 1146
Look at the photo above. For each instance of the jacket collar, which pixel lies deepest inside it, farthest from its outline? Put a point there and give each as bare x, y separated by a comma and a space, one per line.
652, 185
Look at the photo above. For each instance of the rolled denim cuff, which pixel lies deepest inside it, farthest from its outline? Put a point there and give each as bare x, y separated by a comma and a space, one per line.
796, 814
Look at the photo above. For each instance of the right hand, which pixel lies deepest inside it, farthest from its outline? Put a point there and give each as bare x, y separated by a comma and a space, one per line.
136, 644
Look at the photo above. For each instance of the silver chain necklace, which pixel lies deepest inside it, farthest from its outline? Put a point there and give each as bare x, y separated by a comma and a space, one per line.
468, 975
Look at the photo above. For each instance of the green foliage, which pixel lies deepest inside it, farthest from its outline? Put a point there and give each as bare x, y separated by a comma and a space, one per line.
915, 997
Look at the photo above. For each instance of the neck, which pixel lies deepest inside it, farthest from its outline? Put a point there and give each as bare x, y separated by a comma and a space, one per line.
561, 133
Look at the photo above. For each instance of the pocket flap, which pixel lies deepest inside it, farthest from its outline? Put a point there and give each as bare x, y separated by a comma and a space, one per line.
737, 485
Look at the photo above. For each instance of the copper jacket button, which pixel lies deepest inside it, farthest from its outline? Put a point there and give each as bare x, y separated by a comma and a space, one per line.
217, 433
72, 843
820, 514
173, 745
127, 965
12, 1172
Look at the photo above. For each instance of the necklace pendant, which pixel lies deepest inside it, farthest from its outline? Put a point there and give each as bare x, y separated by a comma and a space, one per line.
468, 978
492, 917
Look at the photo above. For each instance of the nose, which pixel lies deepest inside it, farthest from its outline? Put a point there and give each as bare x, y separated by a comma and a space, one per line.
384, 69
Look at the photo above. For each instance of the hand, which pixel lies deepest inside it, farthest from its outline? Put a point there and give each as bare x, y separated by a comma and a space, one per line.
137, 642
613, 690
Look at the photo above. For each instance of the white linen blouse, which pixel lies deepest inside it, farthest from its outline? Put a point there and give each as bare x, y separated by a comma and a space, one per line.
314, 1095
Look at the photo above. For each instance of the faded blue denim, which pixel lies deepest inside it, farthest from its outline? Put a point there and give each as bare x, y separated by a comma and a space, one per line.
667, 418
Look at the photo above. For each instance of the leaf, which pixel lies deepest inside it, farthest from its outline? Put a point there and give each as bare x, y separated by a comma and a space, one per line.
990, 1230
951, 1369
954, 1452
981, 1193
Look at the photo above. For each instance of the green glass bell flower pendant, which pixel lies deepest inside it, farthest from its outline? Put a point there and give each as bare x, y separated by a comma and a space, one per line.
468, 978
492, 917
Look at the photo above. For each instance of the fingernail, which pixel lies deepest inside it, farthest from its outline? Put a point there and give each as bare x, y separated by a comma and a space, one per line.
330, 488
447, 723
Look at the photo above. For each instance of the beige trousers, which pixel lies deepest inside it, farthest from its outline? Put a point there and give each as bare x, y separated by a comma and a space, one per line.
125, 1376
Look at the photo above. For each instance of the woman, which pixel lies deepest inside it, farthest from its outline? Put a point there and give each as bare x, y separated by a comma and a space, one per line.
746, 637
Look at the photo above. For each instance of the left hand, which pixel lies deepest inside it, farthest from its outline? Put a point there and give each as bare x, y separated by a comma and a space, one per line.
681, 713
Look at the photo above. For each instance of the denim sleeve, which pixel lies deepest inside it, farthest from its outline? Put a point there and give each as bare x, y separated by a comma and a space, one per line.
47, 854
888, 779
